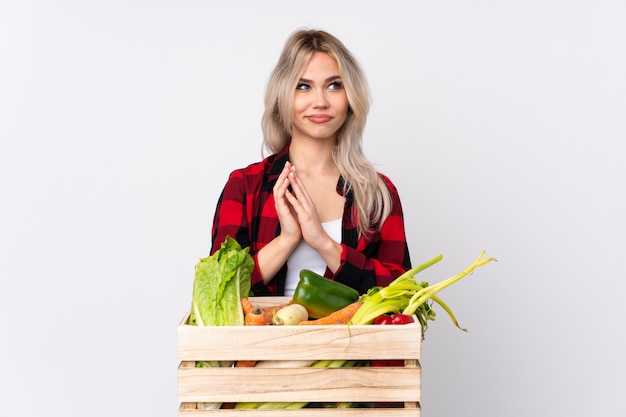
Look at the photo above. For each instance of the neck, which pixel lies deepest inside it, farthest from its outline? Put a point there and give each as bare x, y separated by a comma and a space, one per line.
311, 156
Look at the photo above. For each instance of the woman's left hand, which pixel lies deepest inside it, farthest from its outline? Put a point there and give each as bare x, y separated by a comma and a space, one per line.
303, 206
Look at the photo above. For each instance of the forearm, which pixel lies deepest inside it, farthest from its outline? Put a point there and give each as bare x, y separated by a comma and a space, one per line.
330, 251
273, 256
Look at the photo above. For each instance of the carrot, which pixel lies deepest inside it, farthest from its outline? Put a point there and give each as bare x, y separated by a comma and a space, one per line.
246, 305
270, 311
262, 316
256, 317
341, 316
245, 364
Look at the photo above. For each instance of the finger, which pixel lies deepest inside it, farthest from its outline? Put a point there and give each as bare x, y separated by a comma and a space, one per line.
297, 187
302, 206
282, 200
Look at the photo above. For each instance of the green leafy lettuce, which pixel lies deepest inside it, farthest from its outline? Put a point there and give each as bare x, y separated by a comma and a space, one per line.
221, 280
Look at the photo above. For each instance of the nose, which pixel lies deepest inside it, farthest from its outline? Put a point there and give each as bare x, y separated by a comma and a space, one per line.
320, 100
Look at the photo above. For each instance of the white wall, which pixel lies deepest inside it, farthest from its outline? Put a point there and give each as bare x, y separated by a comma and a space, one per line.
501, 122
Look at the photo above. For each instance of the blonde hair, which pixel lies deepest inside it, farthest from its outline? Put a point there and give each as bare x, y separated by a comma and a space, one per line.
371, 195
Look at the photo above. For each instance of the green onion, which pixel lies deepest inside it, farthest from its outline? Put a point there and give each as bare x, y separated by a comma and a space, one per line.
408, 296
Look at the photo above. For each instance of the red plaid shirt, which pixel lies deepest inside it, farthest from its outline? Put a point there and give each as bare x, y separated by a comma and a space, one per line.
246, 212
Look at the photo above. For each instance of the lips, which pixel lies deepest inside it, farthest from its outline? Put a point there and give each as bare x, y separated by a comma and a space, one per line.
319, 118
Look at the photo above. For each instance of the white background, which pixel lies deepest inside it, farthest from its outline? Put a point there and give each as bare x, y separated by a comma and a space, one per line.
501, 122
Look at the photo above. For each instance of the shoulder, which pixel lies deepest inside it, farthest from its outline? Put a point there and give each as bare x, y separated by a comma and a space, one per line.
394, 195
270, 166
388, 183
254, 178
254, 168
257, 171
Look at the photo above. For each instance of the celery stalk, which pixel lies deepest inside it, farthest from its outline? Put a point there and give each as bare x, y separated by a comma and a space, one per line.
411, 297
447, 310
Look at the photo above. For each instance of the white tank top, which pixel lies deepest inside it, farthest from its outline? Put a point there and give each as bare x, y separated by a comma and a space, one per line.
305, 257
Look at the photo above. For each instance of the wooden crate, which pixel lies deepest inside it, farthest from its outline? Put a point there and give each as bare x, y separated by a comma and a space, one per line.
387, 391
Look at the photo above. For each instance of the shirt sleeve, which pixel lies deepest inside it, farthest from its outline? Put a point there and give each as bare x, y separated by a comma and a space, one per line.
231, 219
380, 258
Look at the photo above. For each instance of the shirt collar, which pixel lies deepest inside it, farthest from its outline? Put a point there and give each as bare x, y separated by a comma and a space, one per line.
341, 184
279, 163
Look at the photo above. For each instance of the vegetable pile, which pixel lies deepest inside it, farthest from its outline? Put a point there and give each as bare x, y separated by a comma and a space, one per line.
220, 298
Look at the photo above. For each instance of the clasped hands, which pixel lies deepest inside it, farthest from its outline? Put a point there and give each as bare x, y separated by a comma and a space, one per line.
296, 210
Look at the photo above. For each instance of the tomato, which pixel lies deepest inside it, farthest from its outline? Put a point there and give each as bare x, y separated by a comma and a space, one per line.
401, 319
387, 363
394, 319
384, 319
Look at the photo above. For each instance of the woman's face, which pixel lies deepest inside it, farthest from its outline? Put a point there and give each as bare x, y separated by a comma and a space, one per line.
320, 105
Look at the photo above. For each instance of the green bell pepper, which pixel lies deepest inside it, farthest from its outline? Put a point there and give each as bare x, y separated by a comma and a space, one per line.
322, 296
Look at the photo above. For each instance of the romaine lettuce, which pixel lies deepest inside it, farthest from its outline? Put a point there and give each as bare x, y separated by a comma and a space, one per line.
221, 280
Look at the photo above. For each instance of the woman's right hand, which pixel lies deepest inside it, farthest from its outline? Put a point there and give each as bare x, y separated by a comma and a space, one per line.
289, 226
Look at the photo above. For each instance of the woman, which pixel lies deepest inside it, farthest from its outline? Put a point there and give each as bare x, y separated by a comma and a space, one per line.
316, 202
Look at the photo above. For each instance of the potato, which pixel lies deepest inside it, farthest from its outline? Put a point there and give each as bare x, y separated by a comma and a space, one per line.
290, 315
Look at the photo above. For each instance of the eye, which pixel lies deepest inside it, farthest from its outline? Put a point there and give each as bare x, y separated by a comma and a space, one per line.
303, 86
335, 85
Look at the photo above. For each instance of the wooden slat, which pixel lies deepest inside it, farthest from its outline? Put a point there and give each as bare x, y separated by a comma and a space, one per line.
299, 384
269, 301
307, 412
298, 342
